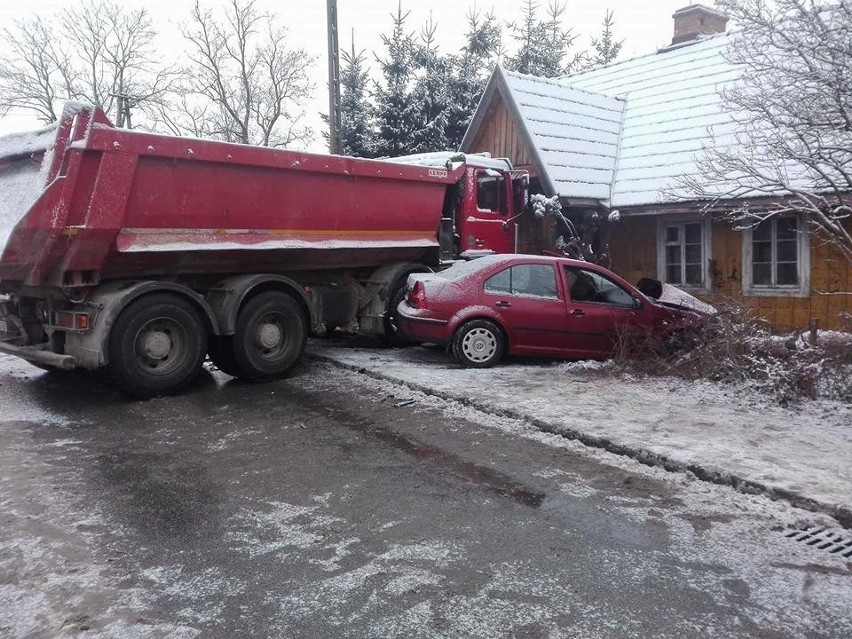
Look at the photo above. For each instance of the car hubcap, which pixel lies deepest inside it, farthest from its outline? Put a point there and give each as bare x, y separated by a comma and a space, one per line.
479, 345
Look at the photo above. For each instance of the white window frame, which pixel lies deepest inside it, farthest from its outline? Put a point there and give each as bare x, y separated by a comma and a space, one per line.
663, 223
803, 246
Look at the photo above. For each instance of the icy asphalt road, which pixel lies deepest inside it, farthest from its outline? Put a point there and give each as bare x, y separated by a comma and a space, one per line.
332, 505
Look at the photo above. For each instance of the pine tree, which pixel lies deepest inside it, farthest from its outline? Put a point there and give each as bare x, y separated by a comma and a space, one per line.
395, 117
429, 97
356, 120
471, 70
542, 43
606, 47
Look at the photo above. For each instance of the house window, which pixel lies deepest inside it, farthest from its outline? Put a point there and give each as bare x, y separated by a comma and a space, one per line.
683, 253
776, 259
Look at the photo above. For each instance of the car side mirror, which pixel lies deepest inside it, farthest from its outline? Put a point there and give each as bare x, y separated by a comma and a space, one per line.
505, 226
637, 303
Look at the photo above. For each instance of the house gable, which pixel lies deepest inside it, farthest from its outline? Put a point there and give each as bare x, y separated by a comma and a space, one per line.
571, 135
501, 137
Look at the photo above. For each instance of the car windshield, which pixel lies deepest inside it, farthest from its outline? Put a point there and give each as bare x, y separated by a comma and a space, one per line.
461, 269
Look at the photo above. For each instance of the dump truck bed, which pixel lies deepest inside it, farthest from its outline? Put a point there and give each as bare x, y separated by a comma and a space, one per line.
83, 202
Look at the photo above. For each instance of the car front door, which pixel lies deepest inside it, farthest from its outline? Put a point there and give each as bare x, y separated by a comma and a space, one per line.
600, 314
527, 300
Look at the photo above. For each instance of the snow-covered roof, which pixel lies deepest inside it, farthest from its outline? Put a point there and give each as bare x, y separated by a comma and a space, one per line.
575, 133
673, 107
622, 134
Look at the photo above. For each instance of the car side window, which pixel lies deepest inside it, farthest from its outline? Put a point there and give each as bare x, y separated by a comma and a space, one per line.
587, 286
536, 280
500, 283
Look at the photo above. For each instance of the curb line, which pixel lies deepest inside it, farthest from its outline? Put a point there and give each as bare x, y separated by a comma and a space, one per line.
842, 514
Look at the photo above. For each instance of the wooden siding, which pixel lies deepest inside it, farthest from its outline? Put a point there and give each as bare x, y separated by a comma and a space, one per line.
633, 246
500, 137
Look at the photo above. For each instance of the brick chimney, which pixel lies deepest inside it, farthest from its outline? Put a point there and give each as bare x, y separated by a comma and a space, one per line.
697, 20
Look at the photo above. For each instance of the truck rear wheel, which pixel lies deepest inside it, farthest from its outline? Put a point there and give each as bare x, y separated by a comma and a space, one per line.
270, 336
156, 346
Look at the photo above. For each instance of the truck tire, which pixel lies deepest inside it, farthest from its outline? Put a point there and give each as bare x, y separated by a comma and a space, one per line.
156, 346
270, 336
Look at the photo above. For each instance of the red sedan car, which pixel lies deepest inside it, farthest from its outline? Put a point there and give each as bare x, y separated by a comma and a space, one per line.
533, 305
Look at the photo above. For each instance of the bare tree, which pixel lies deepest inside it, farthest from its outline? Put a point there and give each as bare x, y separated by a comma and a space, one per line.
792, 148
113, 65
98, 52
31, 77
244, 84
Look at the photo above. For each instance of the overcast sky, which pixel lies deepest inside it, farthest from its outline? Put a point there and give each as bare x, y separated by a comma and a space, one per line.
644, 25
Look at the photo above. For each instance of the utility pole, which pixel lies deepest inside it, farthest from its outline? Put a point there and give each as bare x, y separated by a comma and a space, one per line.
333, 81
123, 105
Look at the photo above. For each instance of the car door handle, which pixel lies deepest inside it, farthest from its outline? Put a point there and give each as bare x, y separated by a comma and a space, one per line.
502, 304
578, 312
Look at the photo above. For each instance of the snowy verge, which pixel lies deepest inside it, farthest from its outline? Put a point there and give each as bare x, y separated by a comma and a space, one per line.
801, 454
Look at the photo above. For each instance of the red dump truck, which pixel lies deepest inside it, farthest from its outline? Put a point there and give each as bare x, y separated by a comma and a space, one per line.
141, 253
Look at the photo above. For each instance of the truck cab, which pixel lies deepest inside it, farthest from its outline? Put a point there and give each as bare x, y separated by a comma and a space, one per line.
481, 209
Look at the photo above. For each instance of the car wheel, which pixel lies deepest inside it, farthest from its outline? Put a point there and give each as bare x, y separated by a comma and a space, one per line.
156, 346
479, 344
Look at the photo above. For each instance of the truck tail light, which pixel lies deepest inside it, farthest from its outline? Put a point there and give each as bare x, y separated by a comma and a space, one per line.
417, 296
71, 320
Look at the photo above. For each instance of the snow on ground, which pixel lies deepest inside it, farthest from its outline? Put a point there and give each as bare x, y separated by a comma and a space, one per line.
804, 450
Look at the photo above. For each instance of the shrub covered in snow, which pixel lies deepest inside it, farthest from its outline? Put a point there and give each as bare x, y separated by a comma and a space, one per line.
736, 347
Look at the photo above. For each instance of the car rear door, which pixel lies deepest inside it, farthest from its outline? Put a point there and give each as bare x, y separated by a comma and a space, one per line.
528, 302
600, 313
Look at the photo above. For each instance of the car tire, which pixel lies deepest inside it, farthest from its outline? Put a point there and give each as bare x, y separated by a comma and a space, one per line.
156, 346
270, 337
479, 344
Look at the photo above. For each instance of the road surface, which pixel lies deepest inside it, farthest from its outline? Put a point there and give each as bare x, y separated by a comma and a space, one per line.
333, 505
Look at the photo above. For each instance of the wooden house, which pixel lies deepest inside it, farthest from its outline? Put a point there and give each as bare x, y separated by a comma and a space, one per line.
614, 143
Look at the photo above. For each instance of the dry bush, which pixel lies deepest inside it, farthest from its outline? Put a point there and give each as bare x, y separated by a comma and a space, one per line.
737, 347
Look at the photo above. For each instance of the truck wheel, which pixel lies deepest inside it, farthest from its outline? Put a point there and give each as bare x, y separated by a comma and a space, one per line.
270, 336
221, 352
478, 344
156, 346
